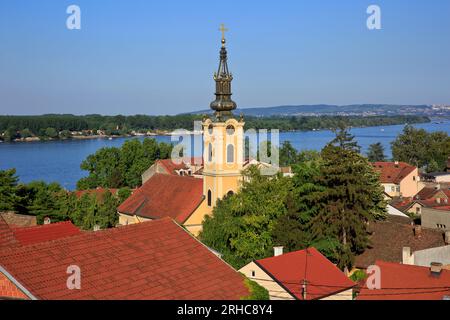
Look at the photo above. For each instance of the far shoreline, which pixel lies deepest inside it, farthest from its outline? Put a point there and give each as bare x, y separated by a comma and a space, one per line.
168, 134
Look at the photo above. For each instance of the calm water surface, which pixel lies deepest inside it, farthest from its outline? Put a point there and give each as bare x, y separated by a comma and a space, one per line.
60, 160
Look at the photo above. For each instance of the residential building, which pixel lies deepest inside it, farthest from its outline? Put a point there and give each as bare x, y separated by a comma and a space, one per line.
426, 257
155, 260
436, 218
388, 238
399, 179
437, 177
300, 275
407, 282
178, 197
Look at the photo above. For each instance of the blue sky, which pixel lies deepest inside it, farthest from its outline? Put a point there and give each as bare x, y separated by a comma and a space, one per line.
158, 57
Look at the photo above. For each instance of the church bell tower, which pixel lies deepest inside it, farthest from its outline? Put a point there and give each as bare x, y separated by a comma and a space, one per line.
223, 138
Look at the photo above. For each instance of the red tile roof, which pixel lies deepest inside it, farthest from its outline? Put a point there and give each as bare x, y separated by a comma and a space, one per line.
8, 290
391, 172
406, 282
7, 238
154, 260
172, 167
389, 237
37, 234
323, 277
165, 196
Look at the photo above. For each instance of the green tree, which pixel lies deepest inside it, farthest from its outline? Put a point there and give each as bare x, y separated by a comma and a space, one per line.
51, 133
8, 190
376, 153
350, 196
241, 225
288, 154
428, 151
122, 167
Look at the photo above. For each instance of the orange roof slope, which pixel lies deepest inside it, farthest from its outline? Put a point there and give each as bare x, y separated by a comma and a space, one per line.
7, 238
8, 290
33, 235
154, 260
165, 196
291, 269
391, 172
406, 282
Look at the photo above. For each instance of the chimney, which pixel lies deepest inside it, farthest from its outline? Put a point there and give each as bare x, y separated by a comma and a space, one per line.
278, 251
97, 227
47, 220
406, 256
418, 231
396, 164
436, 269
447, 237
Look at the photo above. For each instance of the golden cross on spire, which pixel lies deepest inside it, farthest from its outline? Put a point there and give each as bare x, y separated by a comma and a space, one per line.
223, 30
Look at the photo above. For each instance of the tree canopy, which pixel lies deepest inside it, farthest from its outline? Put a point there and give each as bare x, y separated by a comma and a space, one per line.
122, 167
426, 150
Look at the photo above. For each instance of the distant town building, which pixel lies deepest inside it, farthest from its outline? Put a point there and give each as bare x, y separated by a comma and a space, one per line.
399, 179
437, 218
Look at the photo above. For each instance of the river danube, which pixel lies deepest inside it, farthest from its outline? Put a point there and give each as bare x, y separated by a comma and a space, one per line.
59, 161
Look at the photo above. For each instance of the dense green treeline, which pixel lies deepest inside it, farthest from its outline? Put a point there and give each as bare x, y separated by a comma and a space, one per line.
60, 126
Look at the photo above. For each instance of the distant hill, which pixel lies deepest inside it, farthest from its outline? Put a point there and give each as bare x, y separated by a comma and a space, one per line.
347, 110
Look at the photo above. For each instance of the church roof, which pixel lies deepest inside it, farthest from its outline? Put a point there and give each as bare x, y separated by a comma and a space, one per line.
165, 195
154, 260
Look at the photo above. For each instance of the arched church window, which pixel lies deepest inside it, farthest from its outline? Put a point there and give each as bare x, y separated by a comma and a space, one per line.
210, 153
230, 153
230, 130
209, 198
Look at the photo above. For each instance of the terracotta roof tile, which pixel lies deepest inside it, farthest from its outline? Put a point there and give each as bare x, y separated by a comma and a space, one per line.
407, 282
165, 196
7, 238
8, 290
389, 237
391, 172
151, 260
322, 276
37, 234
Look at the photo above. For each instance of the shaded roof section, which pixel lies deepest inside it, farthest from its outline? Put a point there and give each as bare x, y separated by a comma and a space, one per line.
171, 168
165, 196
154, 260
19, 220
389, 237
7, 239
407, 282
289, 270
48, 232
393, 172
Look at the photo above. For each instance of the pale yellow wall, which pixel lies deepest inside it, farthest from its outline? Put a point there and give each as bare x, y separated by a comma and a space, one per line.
219, 176
125, 219
344, 295
415, 209
194, 223
391, 189
411, 185
276, 292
